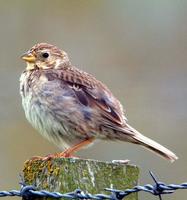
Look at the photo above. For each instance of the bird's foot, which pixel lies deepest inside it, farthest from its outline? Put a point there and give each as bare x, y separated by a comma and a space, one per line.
34, 158
64, 154
57, 155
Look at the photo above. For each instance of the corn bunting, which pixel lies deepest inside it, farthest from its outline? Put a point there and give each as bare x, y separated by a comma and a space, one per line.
70, 107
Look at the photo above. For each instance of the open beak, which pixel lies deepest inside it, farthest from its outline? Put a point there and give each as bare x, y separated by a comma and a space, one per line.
28, 57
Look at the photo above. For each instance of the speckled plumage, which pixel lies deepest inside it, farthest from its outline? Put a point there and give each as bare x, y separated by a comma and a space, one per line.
69, 106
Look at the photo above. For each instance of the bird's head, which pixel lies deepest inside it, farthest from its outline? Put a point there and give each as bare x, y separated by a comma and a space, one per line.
45, 56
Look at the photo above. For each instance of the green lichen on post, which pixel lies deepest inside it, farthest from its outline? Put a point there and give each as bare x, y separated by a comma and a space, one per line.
67, 174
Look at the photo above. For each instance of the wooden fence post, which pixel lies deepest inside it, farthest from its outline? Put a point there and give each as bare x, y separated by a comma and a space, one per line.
67, 174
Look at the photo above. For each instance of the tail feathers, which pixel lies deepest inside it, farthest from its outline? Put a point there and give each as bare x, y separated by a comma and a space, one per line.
152, 145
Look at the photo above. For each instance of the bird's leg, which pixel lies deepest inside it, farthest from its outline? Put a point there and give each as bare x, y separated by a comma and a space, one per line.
69, 152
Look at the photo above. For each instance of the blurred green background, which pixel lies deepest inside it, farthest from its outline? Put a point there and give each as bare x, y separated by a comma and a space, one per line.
137, 47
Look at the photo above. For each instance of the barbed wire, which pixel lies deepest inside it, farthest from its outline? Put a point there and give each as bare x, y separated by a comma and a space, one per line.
158, 189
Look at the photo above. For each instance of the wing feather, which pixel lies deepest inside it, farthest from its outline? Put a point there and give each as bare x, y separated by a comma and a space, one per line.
91, 92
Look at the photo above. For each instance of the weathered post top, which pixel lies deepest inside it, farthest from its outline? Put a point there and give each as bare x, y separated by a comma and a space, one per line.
67, 174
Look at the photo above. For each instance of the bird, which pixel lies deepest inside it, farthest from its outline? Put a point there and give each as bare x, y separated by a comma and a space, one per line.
71, 108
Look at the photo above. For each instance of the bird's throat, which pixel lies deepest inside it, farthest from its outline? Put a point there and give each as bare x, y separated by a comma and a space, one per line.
30, 66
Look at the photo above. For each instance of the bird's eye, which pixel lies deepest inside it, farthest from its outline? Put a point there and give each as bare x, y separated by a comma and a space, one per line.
45, 55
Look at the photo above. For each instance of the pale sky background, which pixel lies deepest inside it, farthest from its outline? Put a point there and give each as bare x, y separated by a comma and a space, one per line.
137, 47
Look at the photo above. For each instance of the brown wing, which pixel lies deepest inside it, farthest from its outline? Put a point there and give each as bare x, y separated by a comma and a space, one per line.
91, 92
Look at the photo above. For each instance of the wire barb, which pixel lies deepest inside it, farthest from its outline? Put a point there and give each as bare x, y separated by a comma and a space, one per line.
29, 192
